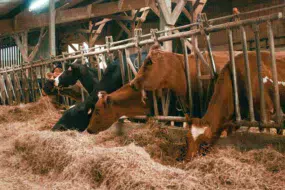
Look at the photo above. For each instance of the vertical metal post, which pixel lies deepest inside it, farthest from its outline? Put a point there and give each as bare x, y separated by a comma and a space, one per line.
52, 27
138, 34
188, 78
259, 69
274, 73
155, 107
202, 101
209, 49
122, 66
247, 73
98, 67
234, 75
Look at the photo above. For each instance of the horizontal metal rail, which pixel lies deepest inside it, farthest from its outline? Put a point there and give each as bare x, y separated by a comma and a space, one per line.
160, 118
185, 34
219, 19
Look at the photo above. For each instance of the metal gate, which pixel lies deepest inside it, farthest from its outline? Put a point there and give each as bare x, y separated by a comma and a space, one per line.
14, 84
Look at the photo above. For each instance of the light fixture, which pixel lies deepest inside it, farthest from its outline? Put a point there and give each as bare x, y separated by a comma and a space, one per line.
38, 4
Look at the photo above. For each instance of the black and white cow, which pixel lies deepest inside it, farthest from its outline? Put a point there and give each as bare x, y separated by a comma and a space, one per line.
78, 117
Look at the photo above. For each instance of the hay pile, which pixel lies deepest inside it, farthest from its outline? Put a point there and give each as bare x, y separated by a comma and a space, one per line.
32, 157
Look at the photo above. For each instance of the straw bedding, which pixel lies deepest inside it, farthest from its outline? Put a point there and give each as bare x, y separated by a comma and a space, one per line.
143, 157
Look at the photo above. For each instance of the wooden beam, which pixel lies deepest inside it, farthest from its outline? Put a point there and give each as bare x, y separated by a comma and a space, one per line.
177, 11
187, 14
121, 24
28, 20
93, 39
86, 31
36, 48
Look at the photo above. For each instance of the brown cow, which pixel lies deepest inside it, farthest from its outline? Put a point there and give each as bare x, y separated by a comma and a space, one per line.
163, 69
110, 107
221, 107
106, 113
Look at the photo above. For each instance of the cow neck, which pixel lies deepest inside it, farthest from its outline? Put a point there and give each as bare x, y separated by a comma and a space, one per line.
221, 106
88, 81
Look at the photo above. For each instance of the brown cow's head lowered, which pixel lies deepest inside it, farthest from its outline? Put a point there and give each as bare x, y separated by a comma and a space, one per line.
110, 107
198, 137
161, 69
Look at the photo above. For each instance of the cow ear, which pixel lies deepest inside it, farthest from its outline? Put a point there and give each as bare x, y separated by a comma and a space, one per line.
49, 76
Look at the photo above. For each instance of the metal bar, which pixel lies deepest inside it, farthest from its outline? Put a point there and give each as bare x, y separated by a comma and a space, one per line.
129, 61
98, 67
247, 74
188, 78
167, 102
166, 38
274, 73
122, 66
263, 118
212, 61
155, 106
26, 86
212, 21
234, 75
160, 118
254, 124
31, 84
200, 85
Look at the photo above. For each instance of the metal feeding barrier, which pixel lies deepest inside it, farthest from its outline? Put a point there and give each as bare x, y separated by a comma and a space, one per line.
19, 88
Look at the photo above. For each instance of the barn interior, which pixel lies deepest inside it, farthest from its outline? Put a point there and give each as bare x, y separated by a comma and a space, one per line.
136, 152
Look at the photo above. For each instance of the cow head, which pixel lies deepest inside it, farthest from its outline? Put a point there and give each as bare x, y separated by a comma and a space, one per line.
198, 137
104, 114
70, 75
75, 118
49, 88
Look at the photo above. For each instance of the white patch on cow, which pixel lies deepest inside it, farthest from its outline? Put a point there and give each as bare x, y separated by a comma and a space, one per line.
56, 80
197, 131
100, 95
266, 79
89, 111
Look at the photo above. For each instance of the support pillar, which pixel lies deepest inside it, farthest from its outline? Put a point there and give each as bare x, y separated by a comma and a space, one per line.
52, 27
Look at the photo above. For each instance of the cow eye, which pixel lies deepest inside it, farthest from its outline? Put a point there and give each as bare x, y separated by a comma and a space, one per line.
97, 111
149, 62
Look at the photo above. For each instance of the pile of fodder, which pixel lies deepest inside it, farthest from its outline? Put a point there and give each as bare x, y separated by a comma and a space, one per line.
39, 115
134, 160
138, 156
